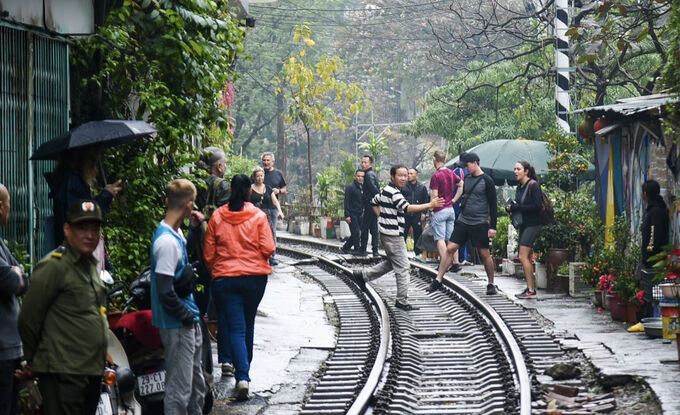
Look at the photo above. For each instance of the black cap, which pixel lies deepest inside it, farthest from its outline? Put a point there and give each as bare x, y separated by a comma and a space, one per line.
84, 210
468, 158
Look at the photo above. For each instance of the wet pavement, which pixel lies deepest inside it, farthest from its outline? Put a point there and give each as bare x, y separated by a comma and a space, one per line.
293, 337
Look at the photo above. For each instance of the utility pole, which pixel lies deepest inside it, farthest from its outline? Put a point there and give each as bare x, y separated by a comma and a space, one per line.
562, 101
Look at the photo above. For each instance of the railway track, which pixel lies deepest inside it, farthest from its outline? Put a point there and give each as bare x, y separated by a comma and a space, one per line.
461, 352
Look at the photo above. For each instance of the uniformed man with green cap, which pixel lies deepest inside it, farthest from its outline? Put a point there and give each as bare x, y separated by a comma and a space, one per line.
63, 318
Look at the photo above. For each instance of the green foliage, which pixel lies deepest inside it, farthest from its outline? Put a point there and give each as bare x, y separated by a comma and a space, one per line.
165, 62
599, 261
499, 244
330, 191
348, 166
376, 147
21, 255
469, 111
237, 164
569, 162
576, 224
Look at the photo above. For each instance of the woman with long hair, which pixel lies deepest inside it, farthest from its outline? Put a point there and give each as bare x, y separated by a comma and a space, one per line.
527, 204
238, 245
263, 197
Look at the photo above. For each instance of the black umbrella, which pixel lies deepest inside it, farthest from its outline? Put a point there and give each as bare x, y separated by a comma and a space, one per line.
106, 133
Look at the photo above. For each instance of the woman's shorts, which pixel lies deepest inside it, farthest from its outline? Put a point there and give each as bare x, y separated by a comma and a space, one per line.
528, 235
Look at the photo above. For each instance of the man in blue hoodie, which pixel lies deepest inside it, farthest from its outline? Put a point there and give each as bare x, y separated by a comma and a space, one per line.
13, 283
173, 308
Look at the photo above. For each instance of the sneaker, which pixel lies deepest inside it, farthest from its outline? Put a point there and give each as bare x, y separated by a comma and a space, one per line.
490, 289
455, 268
241, 390
434, 286
273, 261
376, 254
227, 370
405, 307
526, 294
361, 253
345, 250
358, 278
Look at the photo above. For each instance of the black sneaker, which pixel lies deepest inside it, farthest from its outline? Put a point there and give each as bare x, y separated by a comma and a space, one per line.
358, 278
491, 289
405, 307
455, 268
345, 250
526, 294
361, 253
434, 286
376, 254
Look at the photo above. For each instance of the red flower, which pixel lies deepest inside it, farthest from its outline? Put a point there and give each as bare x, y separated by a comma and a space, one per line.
640, 294
672, 276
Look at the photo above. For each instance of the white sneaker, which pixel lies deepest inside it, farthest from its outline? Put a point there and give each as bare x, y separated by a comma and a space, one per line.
227, 370
241, 390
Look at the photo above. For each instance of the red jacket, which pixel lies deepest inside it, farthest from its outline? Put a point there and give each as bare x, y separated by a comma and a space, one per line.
238, 243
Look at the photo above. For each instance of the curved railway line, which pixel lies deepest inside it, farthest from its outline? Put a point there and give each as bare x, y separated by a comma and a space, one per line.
462, 352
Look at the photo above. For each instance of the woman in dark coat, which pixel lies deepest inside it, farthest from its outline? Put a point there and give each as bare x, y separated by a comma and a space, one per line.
73, 180
528, 202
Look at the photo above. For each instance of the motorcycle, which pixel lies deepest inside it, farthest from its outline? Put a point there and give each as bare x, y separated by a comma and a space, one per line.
141, 342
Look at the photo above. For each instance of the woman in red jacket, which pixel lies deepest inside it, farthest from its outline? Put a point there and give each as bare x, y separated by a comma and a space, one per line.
238, 244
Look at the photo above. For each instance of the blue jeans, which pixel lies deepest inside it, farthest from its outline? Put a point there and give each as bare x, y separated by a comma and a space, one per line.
236, 301
273, 217
442, 223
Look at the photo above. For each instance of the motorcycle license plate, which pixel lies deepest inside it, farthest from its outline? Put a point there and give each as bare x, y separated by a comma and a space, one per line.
151, 383
104, 407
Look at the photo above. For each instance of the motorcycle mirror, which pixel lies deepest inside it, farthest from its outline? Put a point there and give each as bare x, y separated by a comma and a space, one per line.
106, 277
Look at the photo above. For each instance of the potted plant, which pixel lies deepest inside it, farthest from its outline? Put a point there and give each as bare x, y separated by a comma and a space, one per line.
667, 264
599, 263
499, 244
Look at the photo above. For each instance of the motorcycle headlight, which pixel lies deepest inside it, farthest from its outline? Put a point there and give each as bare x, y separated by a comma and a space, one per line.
126, 379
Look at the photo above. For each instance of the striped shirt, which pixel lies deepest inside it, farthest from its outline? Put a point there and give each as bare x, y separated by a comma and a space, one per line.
393, 205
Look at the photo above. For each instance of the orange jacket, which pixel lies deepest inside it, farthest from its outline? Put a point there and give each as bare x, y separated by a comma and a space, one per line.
238, 243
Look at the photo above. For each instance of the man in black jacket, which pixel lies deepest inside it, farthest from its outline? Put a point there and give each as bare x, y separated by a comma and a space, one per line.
369, 223
416, 194
354, 209
13, 283
654, 236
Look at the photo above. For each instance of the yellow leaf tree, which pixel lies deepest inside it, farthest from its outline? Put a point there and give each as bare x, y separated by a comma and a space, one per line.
314, 95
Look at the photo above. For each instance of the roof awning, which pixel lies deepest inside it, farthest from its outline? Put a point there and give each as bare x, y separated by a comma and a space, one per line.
652, 104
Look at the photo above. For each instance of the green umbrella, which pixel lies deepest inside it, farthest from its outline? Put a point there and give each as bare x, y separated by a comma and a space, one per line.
498, 157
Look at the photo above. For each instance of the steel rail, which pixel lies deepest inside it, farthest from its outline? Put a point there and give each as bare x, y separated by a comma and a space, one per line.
521, 370
364, 397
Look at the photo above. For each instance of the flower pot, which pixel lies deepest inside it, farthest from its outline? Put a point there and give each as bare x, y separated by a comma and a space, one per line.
669, 319
596, 299
540, 276
554, 258
605, 300
617, 308
670, 290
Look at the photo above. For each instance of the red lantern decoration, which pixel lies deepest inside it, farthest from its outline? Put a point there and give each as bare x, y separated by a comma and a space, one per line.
586, 129
601, 123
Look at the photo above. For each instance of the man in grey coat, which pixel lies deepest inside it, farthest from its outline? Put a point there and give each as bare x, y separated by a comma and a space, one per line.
13, 283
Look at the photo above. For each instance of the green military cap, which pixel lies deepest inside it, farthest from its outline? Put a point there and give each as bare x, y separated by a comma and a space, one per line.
83, 211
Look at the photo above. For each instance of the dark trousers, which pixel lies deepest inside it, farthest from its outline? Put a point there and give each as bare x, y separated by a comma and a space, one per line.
236, 300
69, 394
369, 223
355, 233
9, 386
413, 222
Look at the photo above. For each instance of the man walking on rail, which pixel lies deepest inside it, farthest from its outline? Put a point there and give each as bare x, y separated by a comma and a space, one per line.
354, 209
477, 221
389, 206
274, 179
415, 193
449, 186
369, 222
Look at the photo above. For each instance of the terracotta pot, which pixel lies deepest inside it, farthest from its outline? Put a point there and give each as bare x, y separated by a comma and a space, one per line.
553, 259
597, 299
617, 308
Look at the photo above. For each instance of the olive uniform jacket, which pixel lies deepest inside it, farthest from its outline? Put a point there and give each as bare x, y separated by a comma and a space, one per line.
62, 322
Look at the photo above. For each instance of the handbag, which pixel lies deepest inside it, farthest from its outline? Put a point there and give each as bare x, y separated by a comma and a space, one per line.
516, 217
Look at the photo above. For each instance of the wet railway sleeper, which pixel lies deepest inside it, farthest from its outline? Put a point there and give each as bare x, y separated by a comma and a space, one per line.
448, 357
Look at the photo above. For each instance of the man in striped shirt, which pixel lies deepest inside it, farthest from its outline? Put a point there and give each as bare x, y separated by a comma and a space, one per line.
390, 206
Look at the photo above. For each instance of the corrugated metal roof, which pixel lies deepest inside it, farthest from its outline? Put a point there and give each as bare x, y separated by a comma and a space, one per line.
632, 106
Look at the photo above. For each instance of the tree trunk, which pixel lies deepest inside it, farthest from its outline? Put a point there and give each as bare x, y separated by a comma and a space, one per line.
281, 158
309, 166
